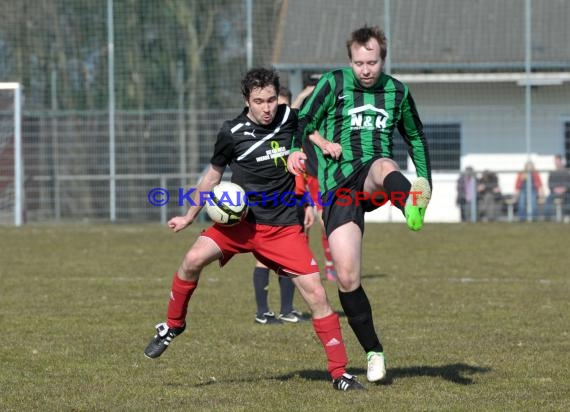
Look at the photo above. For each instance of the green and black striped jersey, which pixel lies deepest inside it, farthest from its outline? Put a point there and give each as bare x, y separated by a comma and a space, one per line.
362, 121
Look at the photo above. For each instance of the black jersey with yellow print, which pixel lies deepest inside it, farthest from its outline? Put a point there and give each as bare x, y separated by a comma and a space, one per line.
362, 120
257, 156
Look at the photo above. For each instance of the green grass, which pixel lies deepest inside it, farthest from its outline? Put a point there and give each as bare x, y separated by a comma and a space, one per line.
472, 317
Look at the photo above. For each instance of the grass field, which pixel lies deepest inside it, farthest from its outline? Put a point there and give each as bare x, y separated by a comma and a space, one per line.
472, 317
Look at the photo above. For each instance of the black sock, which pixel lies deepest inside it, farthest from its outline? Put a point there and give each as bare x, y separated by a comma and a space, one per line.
260, 285
359, 314
397, 188
287, 288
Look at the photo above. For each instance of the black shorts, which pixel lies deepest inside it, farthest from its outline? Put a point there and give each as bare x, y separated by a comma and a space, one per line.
341, 205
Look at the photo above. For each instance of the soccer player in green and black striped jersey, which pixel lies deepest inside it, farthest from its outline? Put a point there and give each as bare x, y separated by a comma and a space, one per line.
356, 110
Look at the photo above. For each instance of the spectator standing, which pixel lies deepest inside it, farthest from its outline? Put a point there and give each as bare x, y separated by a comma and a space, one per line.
528, 207
466, 193
489, 196
559, 186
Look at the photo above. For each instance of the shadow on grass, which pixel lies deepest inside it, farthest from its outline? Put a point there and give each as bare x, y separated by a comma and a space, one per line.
310, 375
373, 275
457, 373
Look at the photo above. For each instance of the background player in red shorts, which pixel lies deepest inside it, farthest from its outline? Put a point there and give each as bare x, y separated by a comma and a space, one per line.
303, 183
255, 145
309, 182
288, 313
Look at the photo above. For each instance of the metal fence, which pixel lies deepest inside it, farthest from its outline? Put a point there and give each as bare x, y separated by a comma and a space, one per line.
122, 96
67, 167
67, 162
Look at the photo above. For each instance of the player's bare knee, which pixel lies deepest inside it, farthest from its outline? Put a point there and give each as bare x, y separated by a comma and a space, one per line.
319, 305
188, 275
386, 166
312, 294
347, 283
320, 296
312, 290
192, 266
379, 170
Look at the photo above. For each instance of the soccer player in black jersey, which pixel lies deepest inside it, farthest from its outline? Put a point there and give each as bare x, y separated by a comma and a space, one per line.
356, 109
305, 183
288, 313
255, 145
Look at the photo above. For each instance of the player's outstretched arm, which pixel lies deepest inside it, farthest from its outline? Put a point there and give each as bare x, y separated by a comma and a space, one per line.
212, 177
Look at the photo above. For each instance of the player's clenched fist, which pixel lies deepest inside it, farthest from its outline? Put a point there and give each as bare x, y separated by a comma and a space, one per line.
296, 163
178, 223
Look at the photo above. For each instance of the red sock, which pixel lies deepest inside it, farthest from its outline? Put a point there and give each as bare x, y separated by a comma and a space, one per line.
326, 248
330, 335
178, 303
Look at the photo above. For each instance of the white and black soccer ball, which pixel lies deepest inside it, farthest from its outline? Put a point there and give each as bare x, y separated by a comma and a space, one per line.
227, 204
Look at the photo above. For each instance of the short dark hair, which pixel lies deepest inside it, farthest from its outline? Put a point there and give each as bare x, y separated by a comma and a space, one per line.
363, 35
285, 92
259, 77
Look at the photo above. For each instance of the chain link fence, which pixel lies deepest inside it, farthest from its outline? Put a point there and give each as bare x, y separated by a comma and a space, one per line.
124, 96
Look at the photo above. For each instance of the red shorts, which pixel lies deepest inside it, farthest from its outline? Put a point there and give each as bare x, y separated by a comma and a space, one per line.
307, 183
284, 249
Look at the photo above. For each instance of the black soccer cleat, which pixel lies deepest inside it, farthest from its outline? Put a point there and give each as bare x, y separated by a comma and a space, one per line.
293, 317
347, 383
161, 340
267, 318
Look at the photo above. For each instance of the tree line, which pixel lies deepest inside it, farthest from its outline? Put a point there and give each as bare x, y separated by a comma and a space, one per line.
167, 53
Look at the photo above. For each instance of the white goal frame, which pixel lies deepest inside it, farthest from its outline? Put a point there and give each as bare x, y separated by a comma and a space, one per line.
18, 158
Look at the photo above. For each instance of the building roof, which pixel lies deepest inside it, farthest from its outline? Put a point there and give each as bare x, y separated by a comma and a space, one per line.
427, 35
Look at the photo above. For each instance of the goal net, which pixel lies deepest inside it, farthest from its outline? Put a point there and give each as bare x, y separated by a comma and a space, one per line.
11, 159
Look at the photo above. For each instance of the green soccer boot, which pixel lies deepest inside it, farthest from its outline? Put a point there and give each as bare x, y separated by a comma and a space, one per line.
416, 205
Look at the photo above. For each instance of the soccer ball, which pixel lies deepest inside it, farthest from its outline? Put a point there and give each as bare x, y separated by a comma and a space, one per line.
227, 204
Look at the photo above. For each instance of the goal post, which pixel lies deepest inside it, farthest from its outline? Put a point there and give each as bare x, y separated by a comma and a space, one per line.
11, 157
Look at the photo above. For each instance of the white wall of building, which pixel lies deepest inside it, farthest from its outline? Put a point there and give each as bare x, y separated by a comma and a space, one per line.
493, 132
442, 207
492, 115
